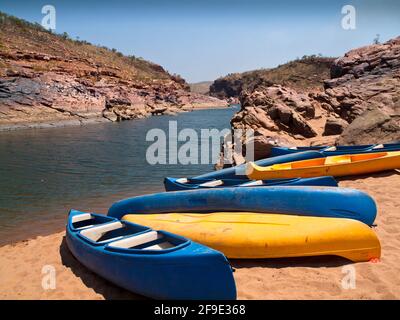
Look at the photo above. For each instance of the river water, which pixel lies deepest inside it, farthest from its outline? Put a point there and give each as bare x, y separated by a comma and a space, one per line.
46, 172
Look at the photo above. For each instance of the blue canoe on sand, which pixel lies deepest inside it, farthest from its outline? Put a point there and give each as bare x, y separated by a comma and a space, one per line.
178, 184
296, 200
155, 264
337, 150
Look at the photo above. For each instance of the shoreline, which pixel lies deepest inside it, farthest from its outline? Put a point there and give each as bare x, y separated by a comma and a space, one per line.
295, 278
61, 123
39, 178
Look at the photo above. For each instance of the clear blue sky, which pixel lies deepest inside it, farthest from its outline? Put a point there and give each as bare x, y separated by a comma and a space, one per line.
205, 39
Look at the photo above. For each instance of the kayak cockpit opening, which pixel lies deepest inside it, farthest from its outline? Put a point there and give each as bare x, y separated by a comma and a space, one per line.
111, 231
368, 156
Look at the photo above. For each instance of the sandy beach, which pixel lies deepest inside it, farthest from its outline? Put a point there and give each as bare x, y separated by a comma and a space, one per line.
22, 263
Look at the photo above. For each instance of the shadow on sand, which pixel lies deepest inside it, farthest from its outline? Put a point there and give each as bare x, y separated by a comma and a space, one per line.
310, 262
382, 174
91, 280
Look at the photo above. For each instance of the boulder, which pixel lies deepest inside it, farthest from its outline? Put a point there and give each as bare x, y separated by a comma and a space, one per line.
262, 144
110, 115
334, 126
302, 127
373, 126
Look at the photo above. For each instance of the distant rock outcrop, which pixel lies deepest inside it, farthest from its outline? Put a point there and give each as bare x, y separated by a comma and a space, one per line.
307, 72
358, 104
51, 79
200, 87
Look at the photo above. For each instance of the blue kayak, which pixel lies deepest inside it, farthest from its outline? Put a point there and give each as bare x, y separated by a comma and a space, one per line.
239, 172
178, 184
155, 264
296, 200
337, 150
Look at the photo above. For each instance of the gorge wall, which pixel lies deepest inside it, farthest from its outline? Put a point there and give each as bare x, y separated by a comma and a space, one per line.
51, 79
358, 103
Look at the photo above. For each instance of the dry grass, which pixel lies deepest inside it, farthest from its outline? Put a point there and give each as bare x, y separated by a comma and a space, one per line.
31, 37
200, 87
302, 74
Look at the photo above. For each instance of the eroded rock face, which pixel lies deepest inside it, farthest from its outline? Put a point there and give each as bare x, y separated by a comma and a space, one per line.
45, 78
278, 116
50, 97
363, 77
360, 104
373, 126
277, 108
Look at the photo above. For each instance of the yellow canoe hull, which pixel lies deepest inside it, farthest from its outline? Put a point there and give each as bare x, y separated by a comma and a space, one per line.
261, 235
336, 166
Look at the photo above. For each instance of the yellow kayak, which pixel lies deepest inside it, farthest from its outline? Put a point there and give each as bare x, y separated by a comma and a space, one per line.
344, 165
247, 235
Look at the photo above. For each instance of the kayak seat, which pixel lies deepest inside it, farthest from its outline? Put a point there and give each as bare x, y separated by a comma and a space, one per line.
281, 166
152, 240
86, 220
134, 241
111, 231
337, 160
253, 183
214, 183
144, 241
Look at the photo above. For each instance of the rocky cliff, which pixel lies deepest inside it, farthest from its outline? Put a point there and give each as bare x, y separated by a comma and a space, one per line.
201, 87
51, 79
304, 73
358, 103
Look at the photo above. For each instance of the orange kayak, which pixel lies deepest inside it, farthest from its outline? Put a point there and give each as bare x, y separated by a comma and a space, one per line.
344, 165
